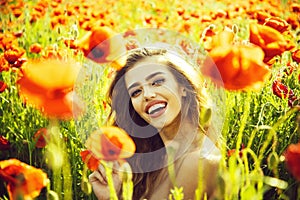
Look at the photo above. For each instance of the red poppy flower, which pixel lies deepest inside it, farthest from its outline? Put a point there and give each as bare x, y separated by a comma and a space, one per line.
234, 66
41, 137
102, 45
23, 181
293, 21
232, 151
35, 48
55, 20
270, 40
260, 15
277, 23
70, 43
17, 12
19, 62
111, 147
180, 10
91, 161
148, 19
4, 143
283, 92
18, 34
195, 14
7, 41
4, 65
35, 16
48, 85
3, 86
104, 105
110, 143
12, 55
292, 159
296, 55
290, 68
295, 7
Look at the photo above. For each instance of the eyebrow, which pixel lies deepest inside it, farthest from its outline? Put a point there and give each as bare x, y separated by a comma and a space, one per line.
147, 79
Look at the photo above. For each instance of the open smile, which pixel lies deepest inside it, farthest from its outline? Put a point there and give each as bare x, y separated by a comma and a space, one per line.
156, 108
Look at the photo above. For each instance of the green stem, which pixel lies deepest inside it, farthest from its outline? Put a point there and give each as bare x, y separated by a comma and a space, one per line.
253, 134
127, 182
243, 121
127, 190
272, 133
57, 182
66, 173
171, 167
199, 190
108, 166
53, 149
59, 162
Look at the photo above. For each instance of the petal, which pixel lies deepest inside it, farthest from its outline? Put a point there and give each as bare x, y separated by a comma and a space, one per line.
91, 161
33, 179
52, 73
237, 67
106, 138
102, 45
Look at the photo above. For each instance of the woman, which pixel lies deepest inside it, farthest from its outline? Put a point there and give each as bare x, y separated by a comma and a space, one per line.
157, 98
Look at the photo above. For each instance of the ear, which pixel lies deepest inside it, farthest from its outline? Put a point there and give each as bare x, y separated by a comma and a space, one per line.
183, 91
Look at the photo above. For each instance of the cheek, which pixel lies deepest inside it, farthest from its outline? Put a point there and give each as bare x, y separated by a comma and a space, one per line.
136, 105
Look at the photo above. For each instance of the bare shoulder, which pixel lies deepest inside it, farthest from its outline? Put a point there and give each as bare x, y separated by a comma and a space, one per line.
208, 155
200, 164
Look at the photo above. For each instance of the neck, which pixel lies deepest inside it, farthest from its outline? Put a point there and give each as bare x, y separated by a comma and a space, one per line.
181, 135
168, 133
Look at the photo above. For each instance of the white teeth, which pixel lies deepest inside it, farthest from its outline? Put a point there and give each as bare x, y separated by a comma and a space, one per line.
156, 107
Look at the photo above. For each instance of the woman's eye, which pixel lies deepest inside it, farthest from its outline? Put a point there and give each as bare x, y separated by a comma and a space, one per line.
135, 93
158, 82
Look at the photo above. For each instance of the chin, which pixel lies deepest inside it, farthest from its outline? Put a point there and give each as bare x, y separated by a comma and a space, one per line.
158, 125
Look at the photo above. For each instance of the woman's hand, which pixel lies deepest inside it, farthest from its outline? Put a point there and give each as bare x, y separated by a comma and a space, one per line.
98, 179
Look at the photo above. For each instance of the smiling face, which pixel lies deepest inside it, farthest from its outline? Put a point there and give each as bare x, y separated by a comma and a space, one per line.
154, 91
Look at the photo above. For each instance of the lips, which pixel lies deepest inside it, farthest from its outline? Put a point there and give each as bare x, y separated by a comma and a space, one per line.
155, 108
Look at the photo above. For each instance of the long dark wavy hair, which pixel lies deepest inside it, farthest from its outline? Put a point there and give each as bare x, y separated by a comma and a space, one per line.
146, 164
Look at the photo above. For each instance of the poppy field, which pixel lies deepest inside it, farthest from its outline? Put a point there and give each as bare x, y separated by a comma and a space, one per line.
49, 145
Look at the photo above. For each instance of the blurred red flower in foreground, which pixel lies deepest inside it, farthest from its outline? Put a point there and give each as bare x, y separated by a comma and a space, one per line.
41, 137
292, 159
4, 143
270, 40
107, 143
234, 65
23, 181
102, 45
48, 85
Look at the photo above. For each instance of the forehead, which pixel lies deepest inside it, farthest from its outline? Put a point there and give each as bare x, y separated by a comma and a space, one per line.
142, 69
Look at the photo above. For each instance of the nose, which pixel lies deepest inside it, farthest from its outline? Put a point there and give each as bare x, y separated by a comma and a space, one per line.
148, 93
